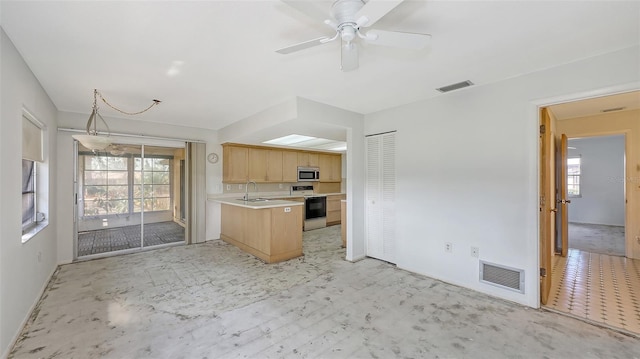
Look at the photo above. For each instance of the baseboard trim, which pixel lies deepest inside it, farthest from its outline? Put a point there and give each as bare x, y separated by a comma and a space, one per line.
16, 336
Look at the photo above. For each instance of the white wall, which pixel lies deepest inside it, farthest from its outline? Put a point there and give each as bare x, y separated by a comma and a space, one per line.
25, 268
467, 171
602, 181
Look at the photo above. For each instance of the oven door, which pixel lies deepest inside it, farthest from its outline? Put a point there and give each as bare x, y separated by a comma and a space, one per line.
315, 207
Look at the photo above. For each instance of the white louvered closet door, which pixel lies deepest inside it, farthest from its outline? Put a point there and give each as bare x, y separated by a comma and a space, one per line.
380, 196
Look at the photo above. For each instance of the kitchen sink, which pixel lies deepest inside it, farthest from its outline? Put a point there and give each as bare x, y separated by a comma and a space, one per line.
254, 199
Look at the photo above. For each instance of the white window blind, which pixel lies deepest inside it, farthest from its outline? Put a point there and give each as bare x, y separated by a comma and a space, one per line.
31, 140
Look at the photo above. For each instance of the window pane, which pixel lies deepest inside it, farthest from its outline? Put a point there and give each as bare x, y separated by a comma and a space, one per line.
148, 164
117, 163
161, 190
28, 177
161, 204
28, 209
118, 177
161, 164
28, 193
136, 205
95, 177
118, 206
95, 162
118, 192
148, 177
137, 191
94, 192
137, 177
160, 177
137, 164
148, 205
148, 191
95, 207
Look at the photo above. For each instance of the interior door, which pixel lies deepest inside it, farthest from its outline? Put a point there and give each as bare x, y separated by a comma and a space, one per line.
380, 197
563, 201
547, 203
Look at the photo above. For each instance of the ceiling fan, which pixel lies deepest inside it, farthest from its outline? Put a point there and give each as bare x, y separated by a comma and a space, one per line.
348, 18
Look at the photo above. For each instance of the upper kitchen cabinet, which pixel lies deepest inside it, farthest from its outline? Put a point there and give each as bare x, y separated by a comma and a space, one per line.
289, 166
330, 167
308, 159
235, 164
265, 165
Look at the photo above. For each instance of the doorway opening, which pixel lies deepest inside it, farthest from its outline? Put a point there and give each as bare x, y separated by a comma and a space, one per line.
129, 198
596, 175
586, 252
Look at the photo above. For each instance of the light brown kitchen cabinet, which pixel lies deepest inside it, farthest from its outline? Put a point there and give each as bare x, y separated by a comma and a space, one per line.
308, 159
289, 166
265, 165
275, 166
333, 209
330, 167
235, 164
271, 234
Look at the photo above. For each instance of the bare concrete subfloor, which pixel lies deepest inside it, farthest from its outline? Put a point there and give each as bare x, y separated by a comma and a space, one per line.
213, 301
597, 238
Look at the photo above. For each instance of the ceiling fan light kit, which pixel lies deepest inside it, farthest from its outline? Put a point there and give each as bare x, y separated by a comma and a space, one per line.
347, 18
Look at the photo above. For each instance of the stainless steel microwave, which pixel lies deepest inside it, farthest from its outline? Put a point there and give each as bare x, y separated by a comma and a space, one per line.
307, 174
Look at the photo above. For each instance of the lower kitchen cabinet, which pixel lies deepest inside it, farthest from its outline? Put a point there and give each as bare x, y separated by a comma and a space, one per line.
333, 209
271, 234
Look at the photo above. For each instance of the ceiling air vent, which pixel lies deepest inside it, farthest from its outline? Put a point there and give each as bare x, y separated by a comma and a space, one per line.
457, 86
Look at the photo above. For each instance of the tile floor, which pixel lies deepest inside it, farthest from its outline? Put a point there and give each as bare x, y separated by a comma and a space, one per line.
597, 287
115, 239
212, 300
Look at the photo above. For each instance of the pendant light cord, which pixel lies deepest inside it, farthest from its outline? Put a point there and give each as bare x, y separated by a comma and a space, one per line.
155, 102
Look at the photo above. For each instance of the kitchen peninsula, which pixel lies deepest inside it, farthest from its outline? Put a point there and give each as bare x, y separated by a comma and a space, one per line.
267, 229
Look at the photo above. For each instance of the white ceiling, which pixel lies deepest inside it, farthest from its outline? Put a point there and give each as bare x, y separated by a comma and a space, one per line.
230, 70
595, 106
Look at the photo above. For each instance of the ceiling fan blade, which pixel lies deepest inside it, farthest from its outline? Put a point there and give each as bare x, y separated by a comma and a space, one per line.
303, 45
349, 56
373, 10
309, 8
406, 40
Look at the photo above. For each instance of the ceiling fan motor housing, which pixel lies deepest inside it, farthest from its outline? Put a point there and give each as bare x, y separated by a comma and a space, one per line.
344, 11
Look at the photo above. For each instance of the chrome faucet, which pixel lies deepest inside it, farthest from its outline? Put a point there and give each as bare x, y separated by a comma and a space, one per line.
246, 190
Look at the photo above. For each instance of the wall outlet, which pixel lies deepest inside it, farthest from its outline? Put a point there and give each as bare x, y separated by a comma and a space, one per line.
228, 187
239, 186
280, 185
475, 252
448, 247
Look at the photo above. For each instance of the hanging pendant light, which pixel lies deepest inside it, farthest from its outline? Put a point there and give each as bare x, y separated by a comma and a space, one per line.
94, 140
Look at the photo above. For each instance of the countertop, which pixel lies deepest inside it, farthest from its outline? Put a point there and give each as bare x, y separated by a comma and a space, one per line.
269, 195
271, 203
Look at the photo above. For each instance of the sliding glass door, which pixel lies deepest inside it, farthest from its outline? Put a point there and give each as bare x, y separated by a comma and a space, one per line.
128, 199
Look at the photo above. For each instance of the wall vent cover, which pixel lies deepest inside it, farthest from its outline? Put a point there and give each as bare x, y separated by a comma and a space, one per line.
456, 86
502, 276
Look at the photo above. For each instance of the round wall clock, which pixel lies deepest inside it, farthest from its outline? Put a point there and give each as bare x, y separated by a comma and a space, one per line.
212, 157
